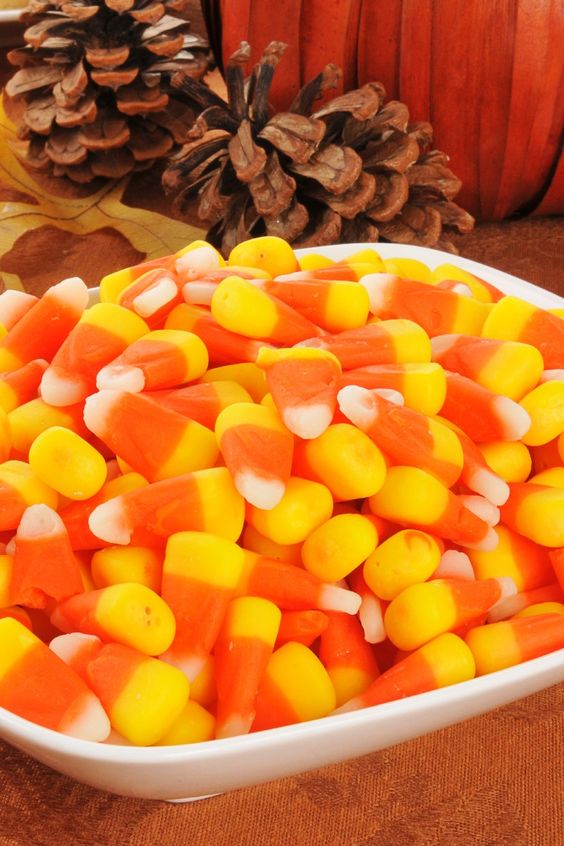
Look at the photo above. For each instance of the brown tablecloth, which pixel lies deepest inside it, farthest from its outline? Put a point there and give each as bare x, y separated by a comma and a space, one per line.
490, 781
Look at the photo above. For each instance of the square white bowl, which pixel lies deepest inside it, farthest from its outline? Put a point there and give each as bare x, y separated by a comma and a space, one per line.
178, 773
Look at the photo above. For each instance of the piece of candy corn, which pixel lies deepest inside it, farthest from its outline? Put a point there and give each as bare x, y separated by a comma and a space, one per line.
414, 498
43, 328
21, 385
510, 368
142, 696
116, 564
164, 358
304, 506
514, 319
242, 650
406, 558
194, 724
152, 295
127, 423
443, 661
31, 419
504, 644
295, 688
339, 546
346, 655
13, 306
330, 304
512, 604
257, 449
240, 307
545, 406
102, 333
292, 588
423, 385
387, 342
425, 610
509, 459
537, 512
37, 685
405, 435
303, 385
526, 562
200, 574
482, 414
19, 488
44, 566
67, 463
205, 501
127, 613
438, 311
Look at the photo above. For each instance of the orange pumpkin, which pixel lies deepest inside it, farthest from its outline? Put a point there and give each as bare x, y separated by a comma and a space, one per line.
487, 76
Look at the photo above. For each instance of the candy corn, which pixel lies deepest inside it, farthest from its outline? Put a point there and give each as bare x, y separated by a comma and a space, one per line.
295, 688
504, 644
347, 656
127, 423
37, 685
164, 358
243, 648
44, 566
202, 402
513, 319
482, 414
200, 574
406, 558
257, 449
127, 613
423, 611
443, 661
406, 436
413, 498
103, 332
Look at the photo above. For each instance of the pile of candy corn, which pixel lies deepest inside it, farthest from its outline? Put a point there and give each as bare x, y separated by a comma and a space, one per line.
240, 495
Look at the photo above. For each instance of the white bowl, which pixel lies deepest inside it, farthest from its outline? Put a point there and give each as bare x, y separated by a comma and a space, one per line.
202, 769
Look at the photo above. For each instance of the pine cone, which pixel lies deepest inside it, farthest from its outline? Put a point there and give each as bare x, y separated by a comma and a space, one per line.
354, 170
95, 78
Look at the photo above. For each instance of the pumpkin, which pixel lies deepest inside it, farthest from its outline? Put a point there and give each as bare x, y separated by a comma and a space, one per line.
487, 76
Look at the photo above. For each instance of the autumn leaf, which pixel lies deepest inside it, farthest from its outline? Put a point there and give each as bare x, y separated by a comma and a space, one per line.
27, 206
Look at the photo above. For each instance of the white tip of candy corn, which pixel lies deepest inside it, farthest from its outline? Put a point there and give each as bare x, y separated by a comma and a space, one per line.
389, 394
377, 287
60, 388
108, 522
482, 508
372, 619
196, 263
441, 344
234, 726
490, 485
13, 305
514, 417
190, 665
116, 739
358, 405
73, 291
87, 722
509, 603
556, 375
149, 301
121, 377
263, 493
455, 565
487, 544
39, 520
68, 646
199, 293
98, 411
335, 598
307, 421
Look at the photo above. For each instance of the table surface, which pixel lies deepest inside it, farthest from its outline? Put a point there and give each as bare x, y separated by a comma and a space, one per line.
490, 781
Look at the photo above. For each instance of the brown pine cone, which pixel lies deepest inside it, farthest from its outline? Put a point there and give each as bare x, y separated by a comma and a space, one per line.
354, 170
95, 79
